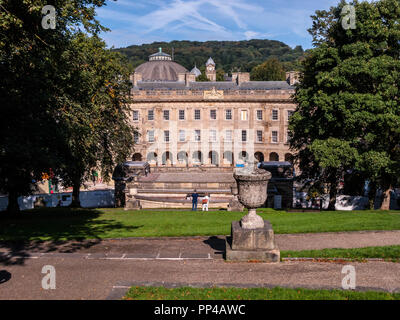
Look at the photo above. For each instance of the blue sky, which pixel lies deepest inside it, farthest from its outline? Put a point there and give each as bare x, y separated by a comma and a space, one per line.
146, 21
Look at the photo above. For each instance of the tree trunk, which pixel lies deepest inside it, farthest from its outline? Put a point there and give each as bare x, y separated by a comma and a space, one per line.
332, 195
372, 195
13, 206
386, 199
76, 203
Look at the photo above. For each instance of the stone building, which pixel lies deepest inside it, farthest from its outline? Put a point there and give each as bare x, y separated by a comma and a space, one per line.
194, 133
185, 123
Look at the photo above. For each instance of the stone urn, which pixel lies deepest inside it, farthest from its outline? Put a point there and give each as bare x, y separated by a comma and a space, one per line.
252, 194
252, 238
234, 204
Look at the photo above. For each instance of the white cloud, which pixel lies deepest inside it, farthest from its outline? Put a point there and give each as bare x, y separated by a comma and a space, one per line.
251, 35
188, 14
115, 15
144, 21
228, 8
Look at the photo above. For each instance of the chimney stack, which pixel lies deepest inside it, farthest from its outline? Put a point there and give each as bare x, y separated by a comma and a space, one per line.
240, 77
190, 77
181, 77
293, 77
134, 78
234, 77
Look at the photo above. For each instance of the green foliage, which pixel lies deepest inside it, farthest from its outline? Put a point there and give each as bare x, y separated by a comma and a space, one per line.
277, 293
354, 183
391, 253
94, 121
45, 88
29, 84
220, 75
49, 223
348, 114
270, 70
228, 55
333, 153
202, 77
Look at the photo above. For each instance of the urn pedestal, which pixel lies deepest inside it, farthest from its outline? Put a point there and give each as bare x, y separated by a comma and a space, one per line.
252, 238
252, 244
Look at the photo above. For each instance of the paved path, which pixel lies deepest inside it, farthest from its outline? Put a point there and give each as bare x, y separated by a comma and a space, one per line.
195, 247
100, 269
102, 279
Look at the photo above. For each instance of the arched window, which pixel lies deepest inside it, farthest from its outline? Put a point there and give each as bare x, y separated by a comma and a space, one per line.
182, 157
197, 157
273, 156
137, 157
259, 156
213, 156
244, 156
152, 157
167, 158
289, 157
228, 157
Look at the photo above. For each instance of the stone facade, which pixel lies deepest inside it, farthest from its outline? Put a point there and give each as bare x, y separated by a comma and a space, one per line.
186, 123
272, 146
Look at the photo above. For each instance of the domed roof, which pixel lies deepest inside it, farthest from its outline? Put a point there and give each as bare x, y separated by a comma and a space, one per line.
160, 56
210, 61
196, 71
160, 68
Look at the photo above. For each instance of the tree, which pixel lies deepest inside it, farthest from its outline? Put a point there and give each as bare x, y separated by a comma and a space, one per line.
203, 76
334, 158
243, 55
30, 64
95, 118
270, 70
348, 114
220, 75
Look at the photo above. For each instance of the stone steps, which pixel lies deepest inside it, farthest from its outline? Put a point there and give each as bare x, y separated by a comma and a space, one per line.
182, 191
179, 200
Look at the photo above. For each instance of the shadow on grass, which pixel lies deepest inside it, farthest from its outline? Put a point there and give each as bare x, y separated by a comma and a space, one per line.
65, 230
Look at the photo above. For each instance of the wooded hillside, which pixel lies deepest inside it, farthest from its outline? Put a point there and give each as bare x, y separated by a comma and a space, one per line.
228, 55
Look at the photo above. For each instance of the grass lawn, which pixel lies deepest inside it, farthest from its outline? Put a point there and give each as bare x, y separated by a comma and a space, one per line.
187, 293
69, 224
389, 253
